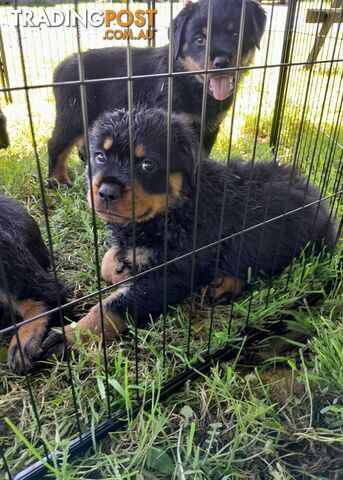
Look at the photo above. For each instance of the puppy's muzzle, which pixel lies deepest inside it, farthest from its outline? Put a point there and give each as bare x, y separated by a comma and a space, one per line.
109, 193
222, 62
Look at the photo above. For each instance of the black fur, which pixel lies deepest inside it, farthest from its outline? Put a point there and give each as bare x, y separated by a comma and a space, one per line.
24, 263
268, 184
187, 90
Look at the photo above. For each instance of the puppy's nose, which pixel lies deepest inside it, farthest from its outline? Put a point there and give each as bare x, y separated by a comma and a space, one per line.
109, 193
221, 62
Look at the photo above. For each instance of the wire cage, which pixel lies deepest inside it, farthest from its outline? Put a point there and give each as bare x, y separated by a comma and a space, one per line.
289, 104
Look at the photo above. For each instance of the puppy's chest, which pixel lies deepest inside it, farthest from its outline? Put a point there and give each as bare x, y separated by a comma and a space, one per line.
150, 245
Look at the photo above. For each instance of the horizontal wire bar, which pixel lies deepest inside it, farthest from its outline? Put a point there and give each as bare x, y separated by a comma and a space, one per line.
170, 262
37, 470
167, 75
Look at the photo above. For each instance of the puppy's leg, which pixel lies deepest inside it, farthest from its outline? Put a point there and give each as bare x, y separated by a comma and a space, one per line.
113, 322
59, 147
145, 297
112, 269
30, 336
226, 288
81, 149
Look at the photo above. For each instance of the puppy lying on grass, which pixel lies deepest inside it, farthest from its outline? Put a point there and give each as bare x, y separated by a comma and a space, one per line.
264, 224
26, 288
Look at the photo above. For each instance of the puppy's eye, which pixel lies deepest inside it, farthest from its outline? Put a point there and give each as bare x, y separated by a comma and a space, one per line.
235, 34
147, 166
200, 40
100, 158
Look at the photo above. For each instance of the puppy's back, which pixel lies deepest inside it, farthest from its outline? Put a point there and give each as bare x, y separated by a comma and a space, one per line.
18, 228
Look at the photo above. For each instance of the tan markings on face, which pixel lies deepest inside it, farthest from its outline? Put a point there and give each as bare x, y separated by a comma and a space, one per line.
228, 285
60, 172
144, 257
184, 49
176, 182
204, 31
30, 335
147, 205
95, 187
139, 151
210, 64
230, 27
108, 143
191, 64
248, 58
114, 324
113, 270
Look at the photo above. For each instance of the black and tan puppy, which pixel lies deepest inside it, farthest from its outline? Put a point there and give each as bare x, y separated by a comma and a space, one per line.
26, 289
269, 190
190, 39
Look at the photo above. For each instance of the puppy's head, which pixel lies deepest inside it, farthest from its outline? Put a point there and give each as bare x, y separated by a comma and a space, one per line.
190, 37
112, 178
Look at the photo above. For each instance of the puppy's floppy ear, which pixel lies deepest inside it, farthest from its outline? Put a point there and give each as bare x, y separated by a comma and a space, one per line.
257, 20
179, 26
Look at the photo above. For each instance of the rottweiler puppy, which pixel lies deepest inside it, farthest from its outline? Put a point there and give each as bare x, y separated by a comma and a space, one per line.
26, 288
190, 38
263, 211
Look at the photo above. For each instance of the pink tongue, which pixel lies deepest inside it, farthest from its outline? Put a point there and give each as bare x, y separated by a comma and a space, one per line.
221, 87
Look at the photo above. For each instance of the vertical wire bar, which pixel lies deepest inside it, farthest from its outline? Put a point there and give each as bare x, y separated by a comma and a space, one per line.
130, 104
293, 172
169, 113
83, 94
6, 466
325, 183
285, 81
7, 94
50, 244
255, 141
325, 103
27, 379
46, 215
311, 167
334, 131
222, 212
245, 214
293, 25
301, 71
199, 161
337, 183
308, 136
152, 41
285, 58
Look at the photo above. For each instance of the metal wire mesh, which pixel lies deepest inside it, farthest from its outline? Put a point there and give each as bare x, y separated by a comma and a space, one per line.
306, 101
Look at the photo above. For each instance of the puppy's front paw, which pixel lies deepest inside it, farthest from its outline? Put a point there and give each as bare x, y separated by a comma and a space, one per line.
55, 344
224, 289
112, 269
54, 182
31, 350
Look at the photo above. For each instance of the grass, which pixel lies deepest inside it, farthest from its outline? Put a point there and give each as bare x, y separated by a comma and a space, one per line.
276, 411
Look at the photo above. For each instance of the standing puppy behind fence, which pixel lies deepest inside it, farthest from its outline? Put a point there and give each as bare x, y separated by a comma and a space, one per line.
265, 204
26, 288
189, 46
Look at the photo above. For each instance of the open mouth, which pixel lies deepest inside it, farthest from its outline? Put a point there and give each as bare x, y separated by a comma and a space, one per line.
221, 87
